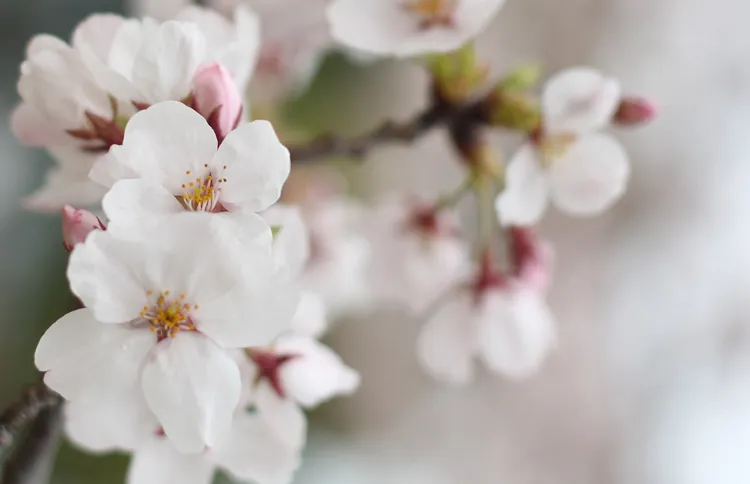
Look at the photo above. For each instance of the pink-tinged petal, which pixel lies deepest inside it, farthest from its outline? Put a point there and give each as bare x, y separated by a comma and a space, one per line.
96, 33
120, 424
524, 198
516, 332
253, 452
89, 361
168, 144
64, 186
316, 373
311, 317
249, 317
448, 342
106, 274
193, 387
257, 165
33, 129
217, 98
291, 241
579, 100
590, 177
163, 68
283, 416
77, 224
159, 462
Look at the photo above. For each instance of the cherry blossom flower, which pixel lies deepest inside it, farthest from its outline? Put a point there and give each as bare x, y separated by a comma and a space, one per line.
417, 253
406, 28
169, 163
77, 98
582, 171
295, 371
250, 451
159, 315
77, 224
502, 319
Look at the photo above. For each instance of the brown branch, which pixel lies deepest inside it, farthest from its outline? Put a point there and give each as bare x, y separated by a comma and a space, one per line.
32, 461
33, 400
439, 113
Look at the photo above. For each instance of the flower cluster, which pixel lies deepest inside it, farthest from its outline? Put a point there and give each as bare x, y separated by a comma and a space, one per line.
211, 271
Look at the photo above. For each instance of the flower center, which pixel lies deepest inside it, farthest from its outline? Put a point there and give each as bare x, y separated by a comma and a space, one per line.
432, 13
553, 146
201, 193
168, 315
269, 364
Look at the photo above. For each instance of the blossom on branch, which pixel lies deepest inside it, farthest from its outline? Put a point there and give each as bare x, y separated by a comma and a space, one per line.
567, 161
161, 310
405, 28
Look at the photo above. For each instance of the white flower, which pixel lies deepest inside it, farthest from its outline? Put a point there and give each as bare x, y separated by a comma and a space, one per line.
159, 315
502, 319
296, 370
417, 253
405, 28
581, 171
169, 163
250, 451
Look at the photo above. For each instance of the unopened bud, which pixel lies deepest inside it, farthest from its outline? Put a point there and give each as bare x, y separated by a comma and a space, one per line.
514, 110
634, 111
77, 224
216, 98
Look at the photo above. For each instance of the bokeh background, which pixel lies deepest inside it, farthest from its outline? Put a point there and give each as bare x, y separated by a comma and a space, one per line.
650, 383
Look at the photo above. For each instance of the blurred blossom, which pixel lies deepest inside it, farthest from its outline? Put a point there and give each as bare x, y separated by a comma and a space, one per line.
77, 224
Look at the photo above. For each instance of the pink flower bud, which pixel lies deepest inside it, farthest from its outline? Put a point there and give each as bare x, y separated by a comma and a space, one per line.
634, 111
77, 224
216, 97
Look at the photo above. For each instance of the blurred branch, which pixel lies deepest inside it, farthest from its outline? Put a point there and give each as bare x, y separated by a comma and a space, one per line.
438, 113
33, 460
32, 401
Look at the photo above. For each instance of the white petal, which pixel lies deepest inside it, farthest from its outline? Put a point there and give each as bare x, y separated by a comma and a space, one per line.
66, 185
103, 273
159, 462
163, 143
524, 199
34, 129
371, 25
86, 360
448, 341
516, 332
317, 373
311, 317
579, 100
257, 167
249, 317
116, 424
284, 417
130, 203
164, 67
193, 388
590, 177
253, 452
291, 243
96, 33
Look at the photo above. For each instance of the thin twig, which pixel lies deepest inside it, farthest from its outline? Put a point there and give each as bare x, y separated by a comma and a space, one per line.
438, 113
33, 400
32, 460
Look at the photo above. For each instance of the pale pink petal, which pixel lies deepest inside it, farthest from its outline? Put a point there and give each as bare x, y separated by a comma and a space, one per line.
77, 224
371, 25
86, 360
524, 198
316, 373
311, 317
253, 452
34, 129
579, 100
283, 416
193, 387
159, 462
257, 165
516, 332
64, 187
291, 242
590, 177
96, 33
216, 97
448, 342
